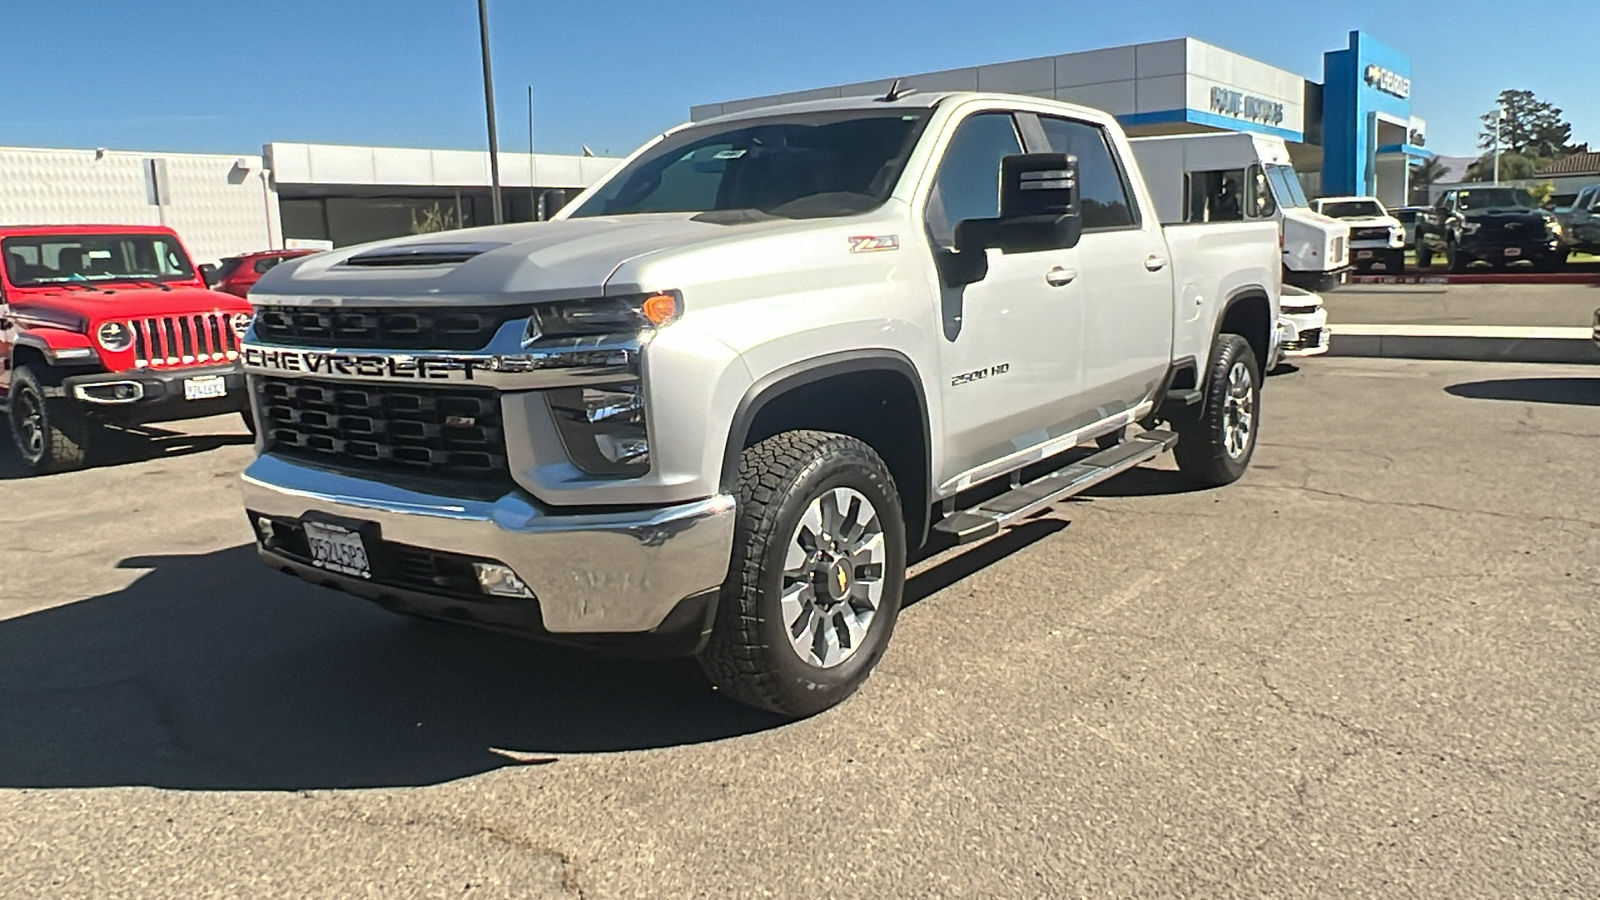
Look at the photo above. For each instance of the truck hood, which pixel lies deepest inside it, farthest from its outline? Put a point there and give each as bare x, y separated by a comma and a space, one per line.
66, 308
563, 259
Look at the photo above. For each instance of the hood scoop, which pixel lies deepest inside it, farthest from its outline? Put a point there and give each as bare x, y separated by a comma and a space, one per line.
432, 254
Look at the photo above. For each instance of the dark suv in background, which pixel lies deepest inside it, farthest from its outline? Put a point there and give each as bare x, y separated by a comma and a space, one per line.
1499, 225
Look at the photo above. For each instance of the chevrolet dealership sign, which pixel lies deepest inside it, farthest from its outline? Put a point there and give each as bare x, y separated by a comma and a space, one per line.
1388, 82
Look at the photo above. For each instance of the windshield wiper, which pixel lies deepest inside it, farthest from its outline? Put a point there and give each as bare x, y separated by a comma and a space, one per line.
155, 284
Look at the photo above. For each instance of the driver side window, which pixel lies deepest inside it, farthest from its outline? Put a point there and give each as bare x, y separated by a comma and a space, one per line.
967, 185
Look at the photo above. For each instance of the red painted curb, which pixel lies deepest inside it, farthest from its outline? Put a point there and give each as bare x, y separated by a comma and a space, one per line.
1484, 278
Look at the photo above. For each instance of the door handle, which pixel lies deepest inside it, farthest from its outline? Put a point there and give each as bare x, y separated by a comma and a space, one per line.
1155, 262
1059, 277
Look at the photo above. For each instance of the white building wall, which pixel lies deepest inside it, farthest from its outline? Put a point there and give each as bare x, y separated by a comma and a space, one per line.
335, 164
219, 205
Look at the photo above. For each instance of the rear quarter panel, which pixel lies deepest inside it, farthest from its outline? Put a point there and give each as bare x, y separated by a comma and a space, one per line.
1211, 264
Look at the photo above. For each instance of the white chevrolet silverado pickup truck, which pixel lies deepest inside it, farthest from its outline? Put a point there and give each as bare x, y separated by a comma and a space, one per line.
711, 407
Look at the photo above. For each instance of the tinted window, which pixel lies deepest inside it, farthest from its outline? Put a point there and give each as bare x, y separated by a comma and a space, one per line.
1214, 196
799, 166
1103, 191
1351, 209
265, 263
967, 185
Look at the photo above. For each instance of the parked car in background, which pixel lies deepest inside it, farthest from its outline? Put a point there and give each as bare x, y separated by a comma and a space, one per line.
109, 324
237, 274
1580, 222
1302, 323
1408, 216
1498, 225
1376, 238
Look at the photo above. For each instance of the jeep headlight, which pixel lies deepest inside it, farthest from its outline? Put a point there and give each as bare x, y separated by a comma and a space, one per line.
603, 428
240, 322
114, 336
628, 314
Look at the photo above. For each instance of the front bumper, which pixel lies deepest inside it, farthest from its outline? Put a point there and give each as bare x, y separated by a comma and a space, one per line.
1311, 335
155, 395
593, 573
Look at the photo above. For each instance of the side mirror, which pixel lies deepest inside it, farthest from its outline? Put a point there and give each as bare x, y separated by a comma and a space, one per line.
208, 274
1038, 207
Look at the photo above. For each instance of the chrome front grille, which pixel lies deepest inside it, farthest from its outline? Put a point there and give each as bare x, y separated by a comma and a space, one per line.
1379, 233
195, 339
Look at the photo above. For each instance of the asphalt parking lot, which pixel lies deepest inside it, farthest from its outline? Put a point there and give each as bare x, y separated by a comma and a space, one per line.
1367, 669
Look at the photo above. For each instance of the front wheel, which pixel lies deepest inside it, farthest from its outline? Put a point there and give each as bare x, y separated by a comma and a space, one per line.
817, 573
1455, 259
51, 435
1424, 255
1215, 444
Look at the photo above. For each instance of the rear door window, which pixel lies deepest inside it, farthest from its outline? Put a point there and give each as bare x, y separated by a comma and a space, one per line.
1104, 196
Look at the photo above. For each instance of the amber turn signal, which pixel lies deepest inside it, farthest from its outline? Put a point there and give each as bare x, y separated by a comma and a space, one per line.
660, 308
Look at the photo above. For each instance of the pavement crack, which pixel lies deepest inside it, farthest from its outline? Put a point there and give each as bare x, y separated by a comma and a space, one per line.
1422, 504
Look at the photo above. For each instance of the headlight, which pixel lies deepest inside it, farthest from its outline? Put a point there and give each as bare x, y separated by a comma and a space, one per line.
603, 428
631, 314
1554, 226
241, 323
1469, 227
115, 336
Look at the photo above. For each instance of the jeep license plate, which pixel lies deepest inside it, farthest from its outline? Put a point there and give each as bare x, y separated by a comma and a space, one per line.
205, 387
337, 549
1513, 251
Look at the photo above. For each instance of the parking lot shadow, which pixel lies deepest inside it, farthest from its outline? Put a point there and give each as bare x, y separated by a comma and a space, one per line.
117, 446
1570, 391
212, 672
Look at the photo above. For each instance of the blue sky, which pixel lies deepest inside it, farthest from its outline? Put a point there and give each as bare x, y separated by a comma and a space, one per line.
228, 76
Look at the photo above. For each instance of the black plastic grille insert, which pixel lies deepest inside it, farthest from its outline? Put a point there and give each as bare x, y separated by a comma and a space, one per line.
382, 327
446, 432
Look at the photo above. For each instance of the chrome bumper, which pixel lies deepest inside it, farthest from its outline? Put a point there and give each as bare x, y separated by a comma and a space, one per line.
593, 573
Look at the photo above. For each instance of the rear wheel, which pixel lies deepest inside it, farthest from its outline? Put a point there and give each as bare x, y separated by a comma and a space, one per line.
50, 433
1215, 444
1424, 255
816, 578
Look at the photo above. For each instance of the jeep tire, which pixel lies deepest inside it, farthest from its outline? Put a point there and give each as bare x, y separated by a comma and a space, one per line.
816, 576
50, 433
1217, 437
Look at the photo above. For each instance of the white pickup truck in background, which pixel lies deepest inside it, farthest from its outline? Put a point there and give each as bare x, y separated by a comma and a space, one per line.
1246, 177
713, 406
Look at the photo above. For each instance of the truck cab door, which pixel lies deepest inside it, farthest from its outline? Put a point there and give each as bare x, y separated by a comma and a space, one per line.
1124, 274
8, 340
1009, 343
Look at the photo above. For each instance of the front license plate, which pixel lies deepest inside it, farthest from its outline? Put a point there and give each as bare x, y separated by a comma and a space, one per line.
1513, 251
337, 549
1363, 254
205, 387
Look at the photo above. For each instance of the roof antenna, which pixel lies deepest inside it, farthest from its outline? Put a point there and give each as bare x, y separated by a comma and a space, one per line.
896, 92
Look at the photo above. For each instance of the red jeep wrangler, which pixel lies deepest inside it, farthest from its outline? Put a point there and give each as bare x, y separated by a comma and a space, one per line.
103, 324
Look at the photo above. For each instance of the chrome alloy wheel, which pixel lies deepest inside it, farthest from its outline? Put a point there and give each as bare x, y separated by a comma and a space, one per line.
833, 577
1238, 413
30, 425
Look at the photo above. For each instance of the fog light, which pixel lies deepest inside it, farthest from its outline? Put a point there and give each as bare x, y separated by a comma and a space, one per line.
500, 581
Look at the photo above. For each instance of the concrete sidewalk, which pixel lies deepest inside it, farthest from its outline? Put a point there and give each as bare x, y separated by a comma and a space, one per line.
1488, 322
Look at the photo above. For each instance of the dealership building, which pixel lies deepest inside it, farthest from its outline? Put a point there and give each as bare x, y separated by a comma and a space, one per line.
1351, 133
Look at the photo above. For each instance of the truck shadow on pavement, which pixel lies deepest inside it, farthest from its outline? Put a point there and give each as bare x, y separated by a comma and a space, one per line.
1569, 391
214, 672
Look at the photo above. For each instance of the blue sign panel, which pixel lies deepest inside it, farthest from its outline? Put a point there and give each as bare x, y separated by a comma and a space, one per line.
1366, 78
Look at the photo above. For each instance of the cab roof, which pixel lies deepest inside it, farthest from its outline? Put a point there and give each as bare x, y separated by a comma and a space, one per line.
45, 230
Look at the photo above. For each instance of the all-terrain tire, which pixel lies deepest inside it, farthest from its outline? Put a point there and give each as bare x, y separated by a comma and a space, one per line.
50, 433
1217, 437
750, 654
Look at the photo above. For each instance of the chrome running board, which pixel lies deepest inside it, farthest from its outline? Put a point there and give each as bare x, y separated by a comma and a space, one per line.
987, 518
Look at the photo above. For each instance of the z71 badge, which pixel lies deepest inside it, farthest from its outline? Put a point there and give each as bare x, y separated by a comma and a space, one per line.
874, 243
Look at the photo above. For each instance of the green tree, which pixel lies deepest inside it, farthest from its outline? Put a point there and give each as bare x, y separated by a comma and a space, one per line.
1513, 166
1542, 192
1532, 127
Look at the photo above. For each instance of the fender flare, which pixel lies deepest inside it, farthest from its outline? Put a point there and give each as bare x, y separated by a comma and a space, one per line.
784, 379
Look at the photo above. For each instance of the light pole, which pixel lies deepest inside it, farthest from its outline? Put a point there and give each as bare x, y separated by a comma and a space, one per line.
1499, 120
488, 102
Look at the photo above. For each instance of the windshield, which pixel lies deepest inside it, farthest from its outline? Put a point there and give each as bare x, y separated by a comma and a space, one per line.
80, 258
1492, 198
800, 167
1351, 209
1286, 185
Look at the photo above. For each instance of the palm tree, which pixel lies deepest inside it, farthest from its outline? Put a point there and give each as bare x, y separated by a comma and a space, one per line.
1423, 175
